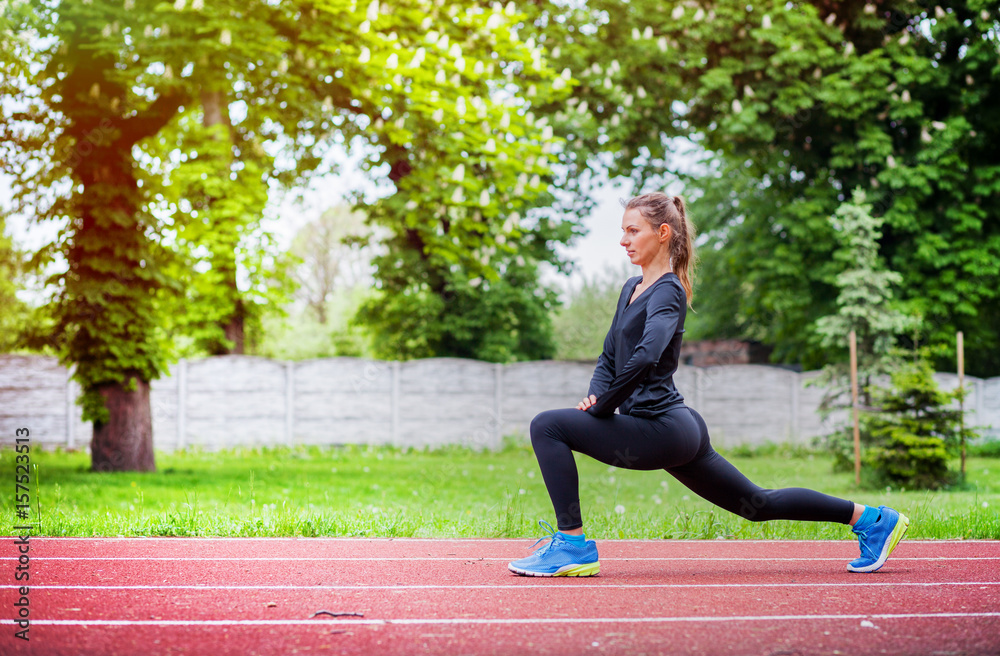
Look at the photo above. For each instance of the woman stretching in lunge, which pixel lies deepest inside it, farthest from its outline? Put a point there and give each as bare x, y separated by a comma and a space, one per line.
654, 429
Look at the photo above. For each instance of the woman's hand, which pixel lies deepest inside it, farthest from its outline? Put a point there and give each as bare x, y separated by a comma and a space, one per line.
587, 402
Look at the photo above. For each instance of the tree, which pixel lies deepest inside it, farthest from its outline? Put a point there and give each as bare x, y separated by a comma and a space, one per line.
864, 303
461, 252
212, 188
215, 197
330, 273
913, 430
326, 260
583, 321
95, 87
80, 126
794, 105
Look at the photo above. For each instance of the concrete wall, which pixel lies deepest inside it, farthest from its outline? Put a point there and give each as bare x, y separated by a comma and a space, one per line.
240, 401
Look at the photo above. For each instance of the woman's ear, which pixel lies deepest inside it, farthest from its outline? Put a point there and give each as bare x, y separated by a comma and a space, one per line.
664, 233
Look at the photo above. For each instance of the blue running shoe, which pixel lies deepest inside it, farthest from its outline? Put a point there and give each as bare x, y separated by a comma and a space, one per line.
558, 558
878, 539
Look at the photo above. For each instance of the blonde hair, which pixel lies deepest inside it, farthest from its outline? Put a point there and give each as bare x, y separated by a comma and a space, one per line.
659, 208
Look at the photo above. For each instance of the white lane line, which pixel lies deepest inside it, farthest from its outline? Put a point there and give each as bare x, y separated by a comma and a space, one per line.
464, 558
508, 586
527, 620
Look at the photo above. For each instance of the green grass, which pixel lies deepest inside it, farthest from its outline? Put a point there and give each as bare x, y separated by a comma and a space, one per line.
358, 491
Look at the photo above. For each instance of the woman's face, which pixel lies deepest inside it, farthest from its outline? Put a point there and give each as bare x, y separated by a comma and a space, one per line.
641, 242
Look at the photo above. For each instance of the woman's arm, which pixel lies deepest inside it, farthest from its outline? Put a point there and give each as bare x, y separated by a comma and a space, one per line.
663, 313
604, 373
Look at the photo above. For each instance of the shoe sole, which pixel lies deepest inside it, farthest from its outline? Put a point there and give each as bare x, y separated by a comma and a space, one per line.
897, 534
586, 569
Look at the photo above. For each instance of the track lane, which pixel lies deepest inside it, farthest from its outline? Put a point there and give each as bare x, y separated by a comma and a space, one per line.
507, 602
845, 635
494, 571
721, 597
290, 548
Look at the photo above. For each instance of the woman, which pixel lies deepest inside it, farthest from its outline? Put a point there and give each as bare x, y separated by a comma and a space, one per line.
654, 429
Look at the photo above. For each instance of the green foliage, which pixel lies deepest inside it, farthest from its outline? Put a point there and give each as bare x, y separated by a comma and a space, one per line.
224, 264
73, 120
469, 157
14, 313
908, 435
864, 302
581, 324
445, 493
497, 320
795, 105
989, 448
299, 335
914, 432
153, 131
864, 305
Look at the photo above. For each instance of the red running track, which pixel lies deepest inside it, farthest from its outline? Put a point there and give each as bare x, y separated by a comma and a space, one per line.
146, 596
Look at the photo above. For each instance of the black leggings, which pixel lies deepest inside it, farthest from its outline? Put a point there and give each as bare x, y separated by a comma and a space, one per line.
676, 441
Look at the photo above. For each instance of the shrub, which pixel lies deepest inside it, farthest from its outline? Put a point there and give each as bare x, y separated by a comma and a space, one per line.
913, 433
912, 430
988, 448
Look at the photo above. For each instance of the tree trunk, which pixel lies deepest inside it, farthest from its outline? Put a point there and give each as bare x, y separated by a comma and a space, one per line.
216, 112
234, 329
125, 443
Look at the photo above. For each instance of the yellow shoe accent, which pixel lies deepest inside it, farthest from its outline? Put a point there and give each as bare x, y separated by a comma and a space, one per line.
587, 569
898, 532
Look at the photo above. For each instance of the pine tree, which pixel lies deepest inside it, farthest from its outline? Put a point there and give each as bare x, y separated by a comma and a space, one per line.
865, 300
864, 305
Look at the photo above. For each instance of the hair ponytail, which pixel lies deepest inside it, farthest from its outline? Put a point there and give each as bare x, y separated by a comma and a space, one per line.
682, 249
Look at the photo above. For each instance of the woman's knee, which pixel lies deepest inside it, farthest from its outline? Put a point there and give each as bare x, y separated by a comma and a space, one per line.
541, 425
757, 507
547, 425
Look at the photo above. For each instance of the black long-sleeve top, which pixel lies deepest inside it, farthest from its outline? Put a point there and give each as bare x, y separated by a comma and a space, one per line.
635, 370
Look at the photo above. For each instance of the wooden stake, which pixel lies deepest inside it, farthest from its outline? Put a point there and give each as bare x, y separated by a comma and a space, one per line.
961, 401
854, 405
